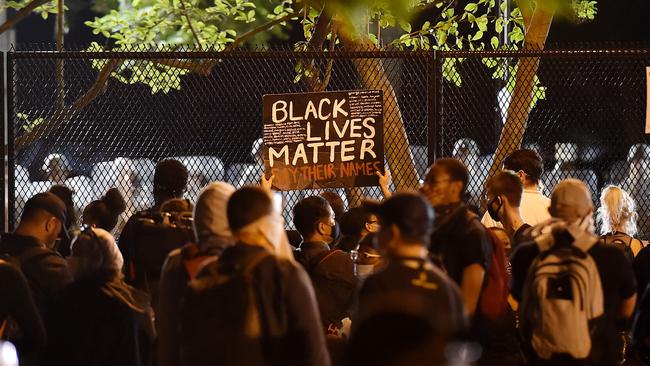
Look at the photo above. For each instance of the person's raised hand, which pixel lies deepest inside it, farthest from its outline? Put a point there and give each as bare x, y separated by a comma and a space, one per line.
267, 183
384, 182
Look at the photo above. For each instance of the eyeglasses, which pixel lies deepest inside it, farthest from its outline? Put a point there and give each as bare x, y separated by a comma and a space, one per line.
356, 255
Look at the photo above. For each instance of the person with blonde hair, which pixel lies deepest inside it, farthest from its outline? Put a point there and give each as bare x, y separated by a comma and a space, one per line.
617, 216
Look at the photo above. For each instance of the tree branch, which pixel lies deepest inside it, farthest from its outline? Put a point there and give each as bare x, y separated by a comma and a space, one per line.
21, 14
321, 29
318, 37
246, 36
330, 62
189, 23
431, 5
97, 89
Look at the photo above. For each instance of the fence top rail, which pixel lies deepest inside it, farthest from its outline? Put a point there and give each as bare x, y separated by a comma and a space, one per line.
235, 54
45, 52
578, 53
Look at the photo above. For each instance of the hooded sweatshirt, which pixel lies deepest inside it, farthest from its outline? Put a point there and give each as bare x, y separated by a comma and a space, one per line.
213, 235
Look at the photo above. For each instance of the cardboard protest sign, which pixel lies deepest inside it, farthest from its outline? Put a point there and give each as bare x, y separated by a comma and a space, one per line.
327, 139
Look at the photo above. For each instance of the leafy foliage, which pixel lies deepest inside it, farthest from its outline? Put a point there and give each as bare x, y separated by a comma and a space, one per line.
45, 10
387, 23
164, 22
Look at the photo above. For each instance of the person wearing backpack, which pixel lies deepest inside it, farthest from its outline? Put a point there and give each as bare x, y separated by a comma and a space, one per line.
32, 245
331, 271
471, 256
211, 230
575, 292
20, 322
255, 305
617, 216
410, 284
169, 182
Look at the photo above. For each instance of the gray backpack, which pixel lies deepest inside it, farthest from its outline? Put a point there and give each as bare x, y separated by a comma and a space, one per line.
562, 294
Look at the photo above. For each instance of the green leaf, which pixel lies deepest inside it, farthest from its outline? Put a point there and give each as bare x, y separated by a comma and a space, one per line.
498, 25
441, 37
494, 42
426, 25
471, 7
374, 39
477, 36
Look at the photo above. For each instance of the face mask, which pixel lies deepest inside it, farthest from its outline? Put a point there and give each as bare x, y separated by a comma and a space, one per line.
494, 213
335, 233
364, 270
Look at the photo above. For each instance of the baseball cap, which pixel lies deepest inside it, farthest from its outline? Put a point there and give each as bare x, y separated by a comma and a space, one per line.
52, 204
410, 212
571, 200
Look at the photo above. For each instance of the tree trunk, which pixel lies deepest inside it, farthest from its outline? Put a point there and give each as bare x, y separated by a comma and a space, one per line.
522, 96
396, 145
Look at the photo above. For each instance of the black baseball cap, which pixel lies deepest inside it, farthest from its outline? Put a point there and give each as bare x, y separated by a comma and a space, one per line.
410, 212
52, 204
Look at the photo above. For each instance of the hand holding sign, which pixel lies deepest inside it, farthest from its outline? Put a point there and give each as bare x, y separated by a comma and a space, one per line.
267, 183
384, 182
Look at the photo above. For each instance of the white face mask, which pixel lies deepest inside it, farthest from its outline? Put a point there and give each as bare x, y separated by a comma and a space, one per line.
364, 270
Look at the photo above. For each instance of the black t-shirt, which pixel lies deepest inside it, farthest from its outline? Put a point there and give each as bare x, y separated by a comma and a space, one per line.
460, 240
642, 269
332, 274
522, 235
617, 280
415, 287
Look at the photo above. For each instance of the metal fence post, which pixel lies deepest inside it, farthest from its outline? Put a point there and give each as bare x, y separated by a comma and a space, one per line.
434, 103
9, 176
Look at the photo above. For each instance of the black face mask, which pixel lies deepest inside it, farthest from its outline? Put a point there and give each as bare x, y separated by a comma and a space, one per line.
335, 232
494, 213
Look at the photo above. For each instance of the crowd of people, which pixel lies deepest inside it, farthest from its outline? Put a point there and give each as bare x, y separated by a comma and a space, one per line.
416, 279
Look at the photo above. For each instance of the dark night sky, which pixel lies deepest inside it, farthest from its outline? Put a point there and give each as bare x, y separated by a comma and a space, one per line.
617, 20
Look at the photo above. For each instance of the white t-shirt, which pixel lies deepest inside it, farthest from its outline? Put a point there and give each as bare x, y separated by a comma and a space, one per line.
534, 209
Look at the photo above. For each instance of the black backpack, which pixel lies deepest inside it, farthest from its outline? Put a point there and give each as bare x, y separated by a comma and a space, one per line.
640, 334
622, 241
220, 320
9, 327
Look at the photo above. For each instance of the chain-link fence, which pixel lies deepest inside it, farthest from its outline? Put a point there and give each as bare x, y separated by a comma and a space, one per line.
586, 119
112, 115
122, 112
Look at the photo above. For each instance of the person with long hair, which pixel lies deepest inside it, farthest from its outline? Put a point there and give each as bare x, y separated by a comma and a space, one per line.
617, 217
99, 320
104, 212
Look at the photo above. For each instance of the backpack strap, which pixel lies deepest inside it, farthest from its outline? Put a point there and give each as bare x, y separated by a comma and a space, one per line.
320, 258
194, 261
256, 259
